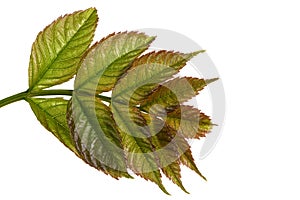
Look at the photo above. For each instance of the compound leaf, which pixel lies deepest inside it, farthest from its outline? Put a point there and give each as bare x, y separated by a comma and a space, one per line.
58, 49
124, 132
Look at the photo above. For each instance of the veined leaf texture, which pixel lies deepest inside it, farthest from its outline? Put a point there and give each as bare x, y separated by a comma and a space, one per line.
143, 127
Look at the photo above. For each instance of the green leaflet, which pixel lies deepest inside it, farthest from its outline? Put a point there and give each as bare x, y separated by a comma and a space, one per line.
169, 95
172, 171
187, 159
151, 69
175, 60
141, 159
140, 156
59, 48
189, 121
184, 150
96, 136
51, 113
175, 149
166, 151
109, 59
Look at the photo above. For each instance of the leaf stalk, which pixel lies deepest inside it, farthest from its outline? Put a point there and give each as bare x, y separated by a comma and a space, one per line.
23, 95
13, 98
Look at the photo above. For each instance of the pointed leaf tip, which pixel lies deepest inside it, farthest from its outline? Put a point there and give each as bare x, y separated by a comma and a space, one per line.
198, 52
209, 81
189, 56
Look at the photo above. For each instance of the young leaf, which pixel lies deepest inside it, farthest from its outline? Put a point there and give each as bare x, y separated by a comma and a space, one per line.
139, 149
175, 60
187, 159
96, 136
59, 48
170, 138
147, 72
51, 113
141, 159
189, 121
184, 150
170, 94
109, 59
166, 151
172, 171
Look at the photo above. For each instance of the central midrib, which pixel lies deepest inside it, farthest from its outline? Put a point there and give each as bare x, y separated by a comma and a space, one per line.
58, 54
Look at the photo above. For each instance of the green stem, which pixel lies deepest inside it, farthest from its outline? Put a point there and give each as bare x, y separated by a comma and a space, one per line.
13, 98
23, 95
104, 98
51, 92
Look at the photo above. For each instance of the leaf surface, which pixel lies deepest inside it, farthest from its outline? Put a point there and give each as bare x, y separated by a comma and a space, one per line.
166, 151
146, 73
174, 92
109, 59
135, 139
96, 136
58, 49
189, 121
175, 60
51, 113
174, 144
186, 157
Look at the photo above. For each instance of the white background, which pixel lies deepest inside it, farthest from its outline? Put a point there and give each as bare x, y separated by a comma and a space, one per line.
255, 46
